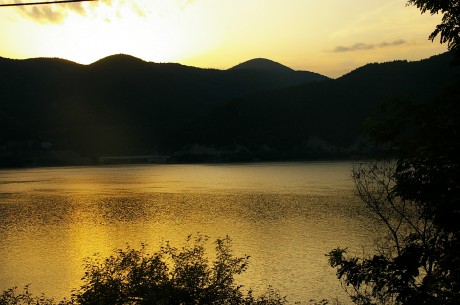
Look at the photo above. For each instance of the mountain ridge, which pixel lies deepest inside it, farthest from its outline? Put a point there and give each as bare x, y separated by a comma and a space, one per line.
254, 64
262, 64
126, 106
319, 119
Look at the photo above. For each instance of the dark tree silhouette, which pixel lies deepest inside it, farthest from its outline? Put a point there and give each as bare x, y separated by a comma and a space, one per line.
417, 198
169, 276
416, 261
449, 29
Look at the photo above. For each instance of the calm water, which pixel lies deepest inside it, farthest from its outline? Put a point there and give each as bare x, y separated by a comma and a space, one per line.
286, 216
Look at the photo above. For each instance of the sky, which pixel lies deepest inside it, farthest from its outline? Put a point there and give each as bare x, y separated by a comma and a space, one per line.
331, 37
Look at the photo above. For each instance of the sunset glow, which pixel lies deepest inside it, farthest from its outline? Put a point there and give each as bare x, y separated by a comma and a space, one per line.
329, 37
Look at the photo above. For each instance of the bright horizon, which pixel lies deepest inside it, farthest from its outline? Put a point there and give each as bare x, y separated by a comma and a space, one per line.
330, 37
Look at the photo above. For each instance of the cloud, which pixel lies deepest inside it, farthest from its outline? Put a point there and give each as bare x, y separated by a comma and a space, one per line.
364, 46
55, 13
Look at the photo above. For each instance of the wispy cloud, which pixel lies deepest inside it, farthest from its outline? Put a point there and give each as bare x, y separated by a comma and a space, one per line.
55, 13
365, 46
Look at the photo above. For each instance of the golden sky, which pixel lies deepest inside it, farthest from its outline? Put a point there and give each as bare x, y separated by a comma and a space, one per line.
331, 37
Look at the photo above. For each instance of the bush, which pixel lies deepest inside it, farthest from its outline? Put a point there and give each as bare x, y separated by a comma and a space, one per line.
168, 276
417, 261
13, 297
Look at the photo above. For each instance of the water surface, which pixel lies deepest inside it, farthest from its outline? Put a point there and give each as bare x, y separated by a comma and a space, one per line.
286, 216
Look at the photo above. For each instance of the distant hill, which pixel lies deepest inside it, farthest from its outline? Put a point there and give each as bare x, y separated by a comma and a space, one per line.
54, 111
314, 120
262, 64
117, 61
260, 70
115, 106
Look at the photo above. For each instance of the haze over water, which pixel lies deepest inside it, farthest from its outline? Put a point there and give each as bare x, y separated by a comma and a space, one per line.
286, 216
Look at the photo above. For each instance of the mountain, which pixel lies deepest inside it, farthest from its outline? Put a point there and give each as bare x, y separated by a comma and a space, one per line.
54, 111
261, 70
313, 120
262, 64
118, 105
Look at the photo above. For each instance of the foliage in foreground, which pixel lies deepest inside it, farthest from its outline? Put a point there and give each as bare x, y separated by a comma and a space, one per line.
417, 198
416, 263
13, 297
168, 276
448, 30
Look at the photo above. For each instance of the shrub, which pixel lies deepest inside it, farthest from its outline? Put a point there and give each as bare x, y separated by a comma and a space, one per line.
169, 276
13, 297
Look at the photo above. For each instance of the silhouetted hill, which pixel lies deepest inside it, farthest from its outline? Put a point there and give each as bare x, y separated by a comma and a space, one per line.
262, 64
117, 105
55, 111
264, 71
313, 120
117, 61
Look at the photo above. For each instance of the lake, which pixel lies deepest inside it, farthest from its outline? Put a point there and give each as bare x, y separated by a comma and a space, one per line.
286, 216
